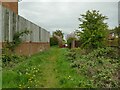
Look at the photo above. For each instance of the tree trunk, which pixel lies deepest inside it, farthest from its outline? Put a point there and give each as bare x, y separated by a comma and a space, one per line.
73, 44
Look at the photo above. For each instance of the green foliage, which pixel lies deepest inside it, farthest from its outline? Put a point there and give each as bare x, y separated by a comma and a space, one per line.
69, 41
53, 41
24, 77
9, 58
48, 69
94, 29
100, 66
117, 29
58, 33
16, 40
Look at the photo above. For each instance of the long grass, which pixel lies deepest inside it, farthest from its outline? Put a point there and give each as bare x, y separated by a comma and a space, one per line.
49, 69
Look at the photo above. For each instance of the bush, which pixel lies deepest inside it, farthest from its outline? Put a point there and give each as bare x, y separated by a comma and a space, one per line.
9, 59
53, 41
100, 66
107, 52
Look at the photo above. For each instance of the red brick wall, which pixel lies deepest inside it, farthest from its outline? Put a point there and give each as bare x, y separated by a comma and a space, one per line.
28, 49
11, 5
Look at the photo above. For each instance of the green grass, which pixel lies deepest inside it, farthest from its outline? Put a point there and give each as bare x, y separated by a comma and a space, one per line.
49, 69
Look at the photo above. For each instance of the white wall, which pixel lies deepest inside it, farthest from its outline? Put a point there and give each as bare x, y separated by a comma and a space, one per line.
119, 15
13, 23
0, 23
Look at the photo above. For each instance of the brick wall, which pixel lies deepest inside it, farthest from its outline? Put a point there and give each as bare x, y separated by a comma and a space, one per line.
11, 5
29, 49
0, 48
12, 23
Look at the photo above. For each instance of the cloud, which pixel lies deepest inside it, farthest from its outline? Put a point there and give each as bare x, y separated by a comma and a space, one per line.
64, 15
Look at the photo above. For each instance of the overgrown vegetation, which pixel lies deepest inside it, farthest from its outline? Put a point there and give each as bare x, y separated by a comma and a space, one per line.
101, 66
117, 29
94, 29
48, 69
9, 58
53, 41
16, 40
93, 65
57, 38
94, 60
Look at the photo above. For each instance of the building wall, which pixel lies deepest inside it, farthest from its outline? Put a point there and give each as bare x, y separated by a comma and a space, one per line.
0, 28
36, 41
29, 49
11, 5
119, 13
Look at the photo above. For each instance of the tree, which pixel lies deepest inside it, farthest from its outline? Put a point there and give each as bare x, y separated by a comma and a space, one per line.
58, 33
53, 41
94, 29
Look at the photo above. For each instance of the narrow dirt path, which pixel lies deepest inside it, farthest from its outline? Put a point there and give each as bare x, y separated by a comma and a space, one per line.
48, 70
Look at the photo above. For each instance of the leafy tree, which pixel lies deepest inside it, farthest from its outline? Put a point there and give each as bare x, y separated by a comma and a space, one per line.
58, 33
53, 41
57, 36
94, 29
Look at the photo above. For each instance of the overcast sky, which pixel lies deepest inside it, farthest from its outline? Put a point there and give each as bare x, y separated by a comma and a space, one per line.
59, 14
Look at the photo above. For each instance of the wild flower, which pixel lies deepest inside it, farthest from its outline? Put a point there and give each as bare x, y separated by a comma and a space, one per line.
27, 73
36, 85
29, 79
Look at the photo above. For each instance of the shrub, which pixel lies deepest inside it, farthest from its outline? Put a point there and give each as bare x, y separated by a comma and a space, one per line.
107, 52
53, 41
100, 66
10, 60
93, 29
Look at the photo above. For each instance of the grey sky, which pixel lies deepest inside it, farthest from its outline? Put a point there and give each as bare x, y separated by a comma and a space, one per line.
53, 15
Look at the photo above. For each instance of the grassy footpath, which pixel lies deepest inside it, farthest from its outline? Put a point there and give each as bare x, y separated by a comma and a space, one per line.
48, 69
